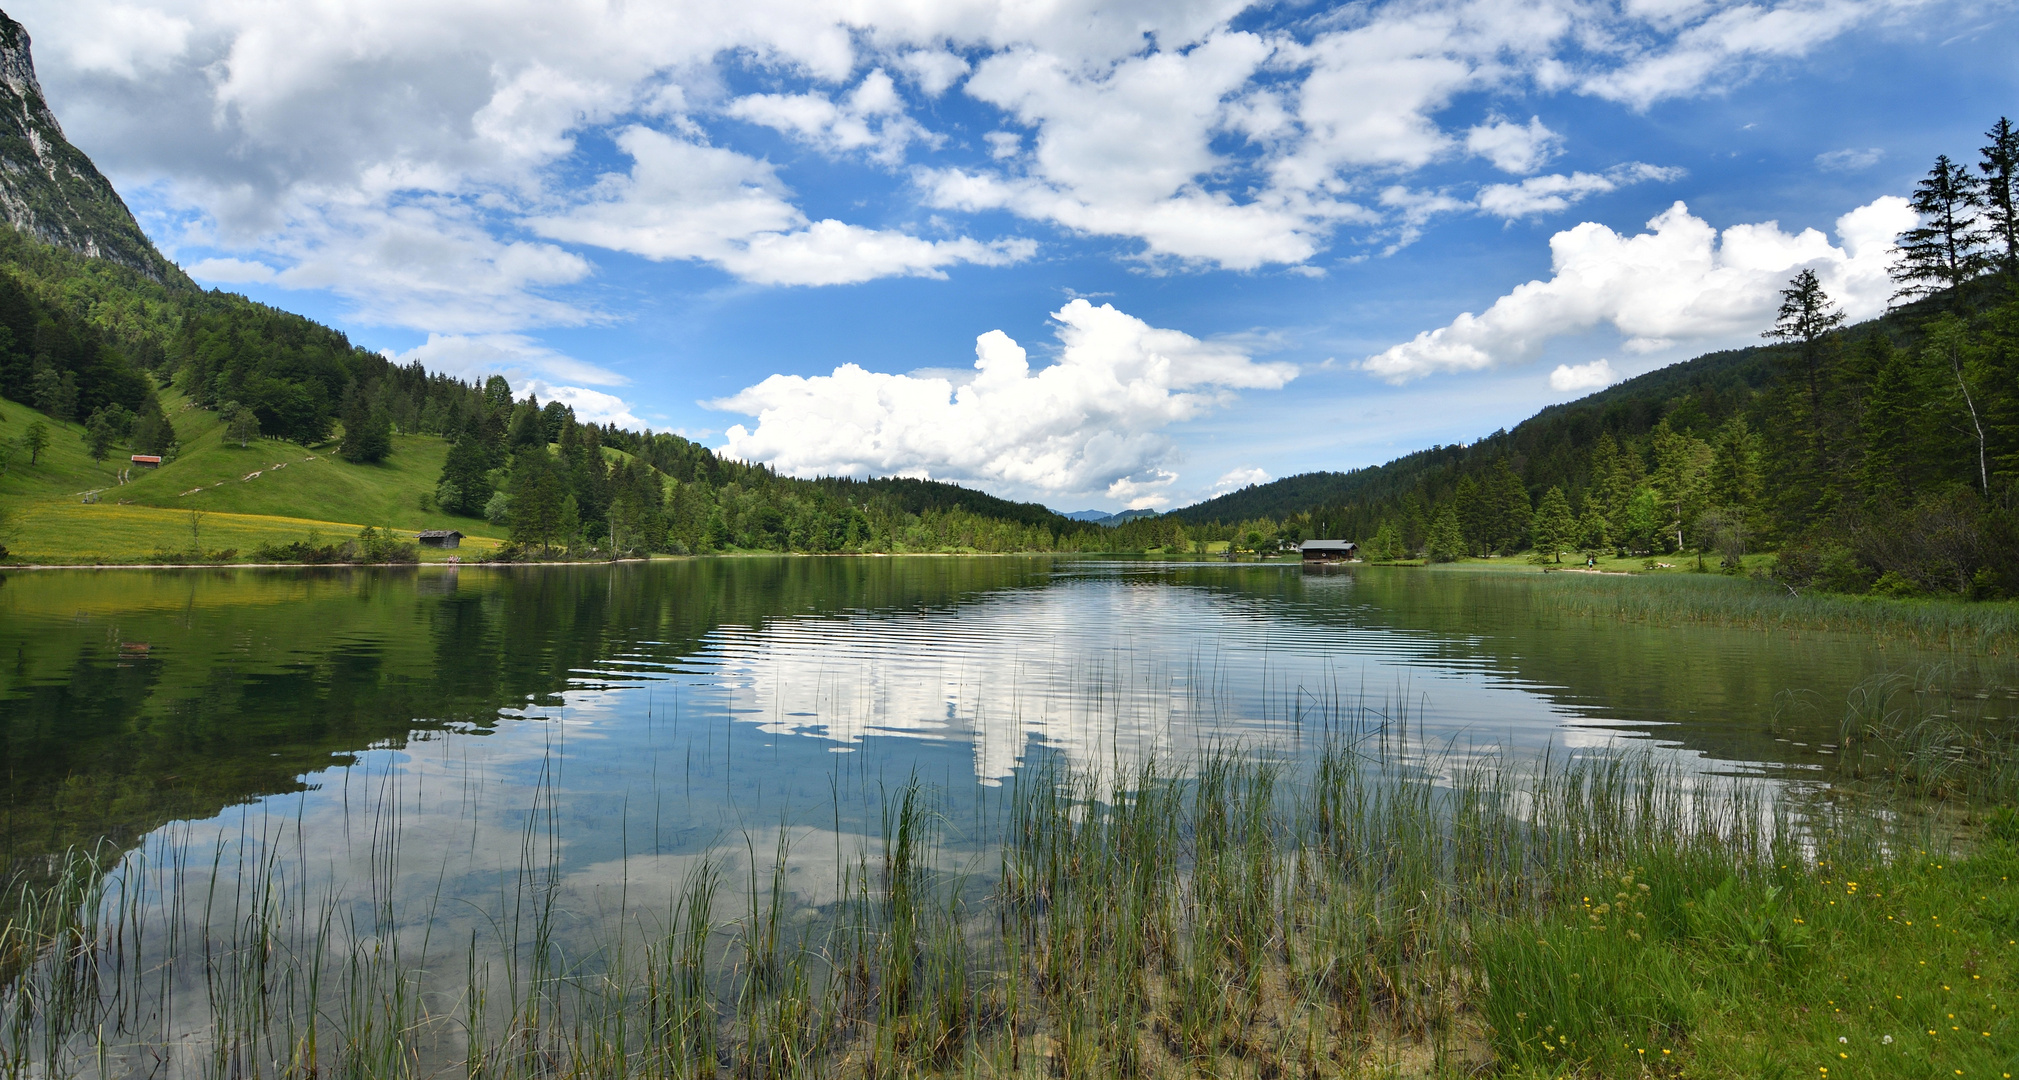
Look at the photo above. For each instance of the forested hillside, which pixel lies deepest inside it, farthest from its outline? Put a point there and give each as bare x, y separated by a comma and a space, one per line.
1882, 456
95, 346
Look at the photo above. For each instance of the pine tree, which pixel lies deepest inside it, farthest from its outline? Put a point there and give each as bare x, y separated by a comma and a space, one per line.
2000, 162
1949, 340
1889, 427
465, 487
1681, 476
99, 433
1592, 532
1947, 248
1807, 315
538, 498
1469, 512
1555, 527
1735, 467
1447, 541
1508, 512
368, 433
1615, 472
527, 427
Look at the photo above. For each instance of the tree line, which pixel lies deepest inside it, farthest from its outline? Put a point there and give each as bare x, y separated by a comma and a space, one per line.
562, 486
93, 342
1877, 457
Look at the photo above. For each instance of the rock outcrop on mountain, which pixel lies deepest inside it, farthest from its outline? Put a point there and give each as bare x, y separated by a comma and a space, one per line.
48, 188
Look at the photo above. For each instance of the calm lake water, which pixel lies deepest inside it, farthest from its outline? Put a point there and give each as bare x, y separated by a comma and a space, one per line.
672, 707
415, 746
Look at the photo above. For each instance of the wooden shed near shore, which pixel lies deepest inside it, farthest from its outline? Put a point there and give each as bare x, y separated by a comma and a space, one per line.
1329, 550
440, 538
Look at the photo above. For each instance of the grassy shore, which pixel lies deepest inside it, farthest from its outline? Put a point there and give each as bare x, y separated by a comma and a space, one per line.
1674, 598
1360, 911
69, 509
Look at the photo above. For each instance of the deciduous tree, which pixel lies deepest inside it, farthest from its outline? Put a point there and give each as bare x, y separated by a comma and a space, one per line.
35, 440
241, 424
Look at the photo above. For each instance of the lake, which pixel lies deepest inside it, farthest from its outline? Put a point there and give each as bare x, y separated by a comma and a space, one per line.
415, 746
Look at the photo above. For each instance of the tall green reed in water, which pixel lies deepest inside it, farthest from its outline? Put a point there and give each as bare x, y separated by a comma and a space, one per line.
1359, 903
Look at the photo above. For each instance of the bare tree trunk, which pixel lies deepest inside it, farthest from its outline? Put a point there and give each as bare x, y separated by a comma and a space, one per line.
1983, 470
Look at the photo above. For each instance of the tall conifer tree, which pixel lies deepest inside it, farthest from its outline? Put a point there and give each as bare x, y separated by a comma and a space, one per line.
2000, 162
1947, 248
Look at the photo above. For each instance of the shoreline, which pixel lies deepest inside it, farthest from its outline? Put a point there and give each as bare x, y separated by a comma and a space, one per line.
5, 567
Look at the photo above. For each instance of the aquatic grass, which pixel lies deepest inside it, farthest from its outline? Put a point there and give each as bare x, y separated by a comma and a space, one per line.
1985, 627
1363, 904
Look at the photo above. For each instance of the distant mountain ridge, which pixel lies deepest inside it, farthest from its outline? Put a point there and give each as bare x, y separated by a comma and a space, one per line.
1102, 517
49, 189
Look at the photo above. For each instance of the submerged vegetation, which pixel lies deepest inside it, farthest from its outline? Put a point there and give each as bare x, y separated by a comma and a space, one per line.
1361, 909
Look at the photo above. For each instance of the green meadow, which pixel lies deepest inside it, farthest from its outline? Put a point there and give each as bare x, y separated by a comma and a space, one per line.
69, 509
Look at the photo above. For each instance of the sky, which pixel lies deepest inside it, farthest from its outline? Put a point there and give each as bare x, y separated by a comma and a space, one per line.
1096, 255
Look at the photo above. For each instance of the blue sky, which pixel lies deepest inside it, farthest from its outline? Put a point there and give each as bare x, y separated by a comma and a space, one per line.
1092, 254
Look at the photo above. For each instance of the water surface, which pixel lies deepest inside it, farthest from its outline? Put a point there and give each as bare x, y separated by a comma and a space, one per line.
661, 711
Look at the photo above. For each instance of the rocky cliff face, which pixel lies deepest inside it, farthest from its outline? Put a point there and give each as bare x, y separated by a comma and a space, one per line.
48, 188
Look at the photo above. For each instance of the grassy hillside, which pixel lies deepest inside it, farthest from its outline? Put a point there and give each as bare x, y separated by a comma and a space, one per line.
268, 492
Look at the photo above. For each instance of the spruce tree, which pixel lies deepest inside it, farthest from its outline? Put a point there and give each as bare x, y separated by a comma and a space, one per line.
1947, 248
1807, 314
1469, 512
99, 434
1890, 426
2000, 162
1949, 340
1806, 320
1681, 476
1509, 512
1447, 541
1555, 527
368, 433
527, 427
465, 487
1735, 467
538, 494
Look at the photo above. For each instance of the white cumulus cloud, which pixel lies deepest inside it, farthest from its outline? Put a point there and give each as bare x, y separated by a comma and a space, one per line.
1681, 281
683, 200
1550, 194
1570, 378
1236, 479
870, 119
1512, 147
330, 137
1092, 422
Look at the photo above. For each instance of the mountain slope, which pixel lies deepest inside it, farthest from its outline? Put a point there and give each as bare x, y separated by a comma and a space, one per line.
48, 188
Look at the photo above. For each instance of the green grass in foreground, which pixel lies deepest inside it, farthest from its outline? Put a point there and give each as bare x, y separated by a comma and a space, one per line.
313, 491
1598, 916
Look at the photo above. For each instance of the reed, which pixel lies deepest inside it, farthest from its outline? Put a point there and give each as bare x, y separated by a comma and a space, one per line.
1362, 907
1987, 627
